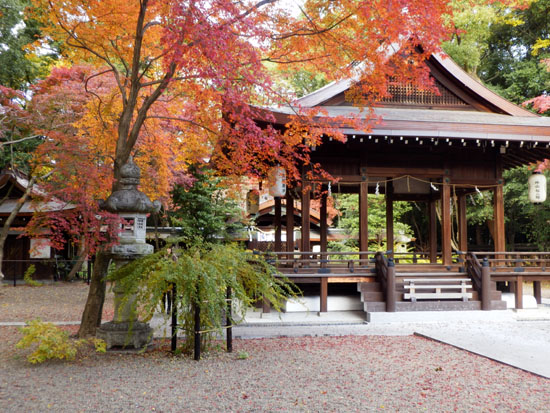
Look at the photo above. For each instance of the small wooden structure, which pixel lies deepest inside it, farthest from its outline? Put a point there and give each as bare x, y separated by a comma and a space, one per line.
21, 251
427, 147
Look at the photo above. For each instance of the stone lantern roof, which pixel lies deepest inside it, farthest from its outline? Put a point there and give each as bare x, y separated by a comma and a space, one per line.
128, 198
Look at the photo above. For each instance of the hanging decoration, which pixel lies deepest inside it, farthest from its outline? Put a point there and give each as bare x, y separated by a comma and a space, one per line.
253, 202
276, 181
537, 188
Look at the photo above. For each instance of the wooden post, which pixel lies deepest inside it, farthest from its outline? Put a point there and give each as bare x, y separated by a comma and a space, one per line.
446, 223
266, 306
305, 217
363, 217
324, 224
278, 244
324, 294
537, 291
389, 218
174, 341
229, 321
498, 218
462, 224
289, 223
519, 292
485, 286
433, 231
390, 287
197, 352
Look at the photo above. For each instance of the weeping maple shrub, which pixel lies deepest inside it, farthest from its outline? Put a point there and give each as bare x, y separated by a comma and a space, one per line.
201, 274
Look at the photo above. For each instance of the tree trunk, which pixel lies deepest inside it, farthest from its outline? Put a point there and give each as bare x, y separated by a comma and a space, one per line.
13, 214
82, 253
91, 317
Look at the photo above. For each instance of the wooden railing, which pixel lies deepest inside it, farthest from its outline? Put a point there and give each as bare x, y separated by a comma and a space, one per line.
473, 268
318, 264
513, 267
323, 267
385, 273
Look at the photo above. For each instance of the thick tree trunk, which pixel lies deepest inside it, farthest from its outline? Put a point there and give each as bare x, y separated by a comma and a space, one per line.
82, 253
91, 317
13, 214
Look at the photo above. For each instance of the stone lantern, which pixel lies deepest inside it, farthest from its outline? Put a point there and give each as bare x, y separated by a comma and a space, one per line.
132, 206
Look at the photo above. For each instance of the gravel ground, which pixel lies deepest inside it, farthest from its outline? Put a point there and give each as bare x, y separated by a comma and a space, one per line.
323, 374
51, 302
305, 374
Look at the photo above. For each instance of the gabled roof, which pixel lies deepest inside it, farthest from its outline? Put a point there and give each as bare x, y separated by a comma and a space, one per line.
447, 74
21, 182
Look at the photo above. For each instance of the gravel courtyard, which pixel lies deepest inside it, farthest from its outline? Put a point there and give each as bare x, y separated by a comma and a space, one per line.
306, 374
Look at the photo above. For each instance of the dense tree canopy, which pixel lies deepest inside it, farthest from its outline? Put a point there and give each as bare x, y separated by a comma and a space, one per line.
20, 65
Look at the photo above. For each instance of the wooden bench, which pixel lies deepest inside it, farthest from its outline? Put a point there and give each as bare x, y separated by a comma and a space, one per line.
437, 288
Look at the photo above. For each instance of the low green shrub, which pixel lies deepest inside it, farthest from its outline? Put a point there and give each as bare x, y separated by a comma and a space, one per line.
27, 277
51, 342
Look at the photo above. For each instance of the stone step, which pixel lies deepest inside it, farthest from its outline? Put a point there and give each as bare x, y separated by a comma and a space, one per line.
371, 296
434, 306
374, 307
364, 287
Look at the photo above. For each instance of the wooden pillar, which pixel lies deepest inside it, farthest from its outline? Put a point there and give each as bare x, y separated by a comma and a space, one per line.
462, 224
537, 291
498, 218
278, 243
305, 247
363, 217
389, 217
324, 295
289, 222
432, 216
324, 230
519, 292
324, 224
446, 250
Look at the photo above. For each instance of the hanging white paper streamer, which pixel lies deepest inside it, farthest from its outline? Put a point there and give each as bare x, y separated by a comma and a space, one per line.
479, 192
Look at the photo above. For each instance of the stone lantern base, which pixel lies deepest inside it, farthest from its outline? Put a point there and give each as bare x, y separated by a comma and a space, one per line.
125, 334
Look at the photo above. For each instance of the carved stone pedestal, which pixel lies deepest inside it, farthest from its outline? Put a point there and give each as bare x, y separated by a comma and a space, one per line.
134, 334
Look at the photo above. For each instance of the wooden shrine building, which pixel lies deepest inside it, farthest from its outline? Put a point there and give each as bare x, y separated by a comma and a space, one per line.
426, 147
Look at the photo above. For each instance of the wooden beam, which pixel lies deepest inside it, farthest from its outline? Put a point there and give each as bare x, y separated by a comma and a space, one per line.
392, 172
462, 224
432, 231
278, 243
363, 217
446, 224
412, 197
289, 222
305, 247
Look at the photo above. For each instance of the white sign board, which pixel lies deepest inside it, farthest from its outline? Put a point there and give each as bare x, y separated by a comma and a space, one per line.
39, 248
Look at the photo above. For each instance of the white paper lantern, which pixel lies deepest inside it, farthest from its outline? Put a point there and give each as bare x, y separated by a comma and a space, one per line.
537, 188
276, 180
